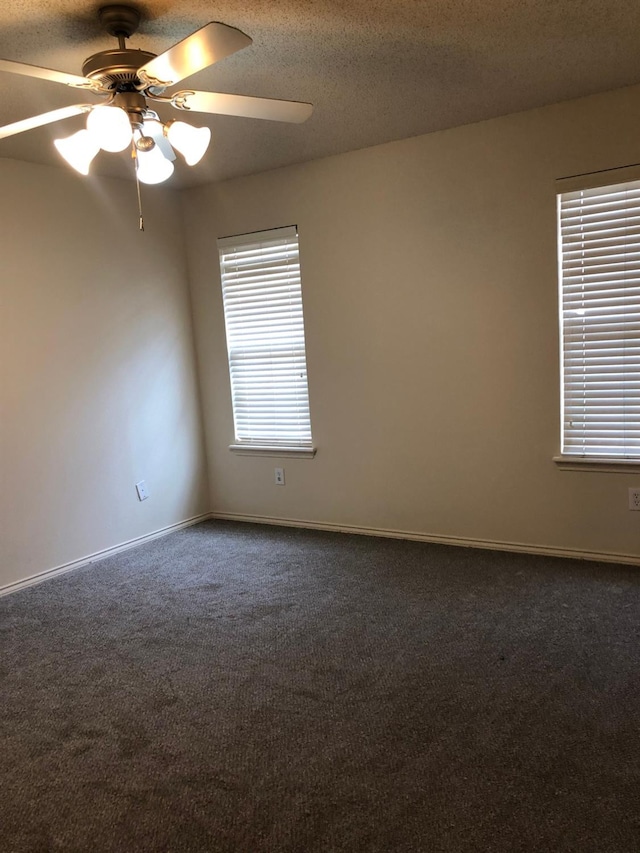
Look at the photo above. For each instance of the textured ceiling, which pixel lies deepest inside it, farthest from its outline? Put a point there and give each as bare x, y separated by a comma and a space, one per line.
375, 71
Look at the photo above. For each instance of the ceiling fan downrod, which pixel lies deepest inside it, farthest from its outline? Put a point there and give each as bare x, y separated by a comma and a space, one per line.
117, 69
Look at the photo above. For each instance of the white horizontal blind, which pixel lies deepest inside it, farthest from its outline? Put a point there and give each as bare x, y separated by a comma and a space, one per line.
262, 295
600, 317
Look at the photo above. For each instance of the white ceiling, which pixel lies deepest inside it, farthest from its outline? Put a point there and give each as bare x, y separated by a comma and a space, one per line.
375, 71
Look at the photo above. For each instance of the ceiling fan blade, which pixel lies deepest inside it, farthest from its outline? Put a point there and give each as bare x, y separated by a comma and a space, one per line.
207, 45
242, 105
43, 118
45, 74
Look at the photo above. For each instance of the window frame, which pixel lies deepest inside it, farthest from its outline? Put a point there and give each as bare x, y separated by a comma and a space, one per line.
574, 461
269, 444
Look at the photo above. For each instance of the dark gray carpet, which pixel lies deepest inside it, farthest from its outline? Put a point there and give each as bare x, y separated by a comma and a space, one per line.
243, 688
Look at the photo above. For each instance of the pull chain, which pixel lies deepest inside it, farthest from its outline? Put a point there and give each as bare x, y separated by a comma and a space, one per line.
134, 155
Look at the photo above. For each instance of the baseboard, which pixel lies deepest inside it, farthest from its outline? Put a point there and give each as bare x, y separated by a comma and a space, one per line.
101, 555
491, 545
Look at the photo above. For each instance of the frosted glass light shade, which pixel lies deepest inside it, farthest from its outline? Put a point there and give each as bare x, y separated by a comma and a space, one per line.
153, 167
191, 142
155, 129
78, 150
110, 128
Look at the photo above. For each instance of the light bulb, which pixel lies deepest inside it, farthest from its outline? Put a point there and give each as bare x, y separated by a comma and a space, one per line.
78, 150
153, 168
110, 128
191, 142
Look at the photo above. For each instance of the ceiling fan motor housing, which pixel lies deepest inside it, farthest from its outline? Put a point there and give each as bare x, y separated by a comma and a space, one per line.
117, 69
114, 68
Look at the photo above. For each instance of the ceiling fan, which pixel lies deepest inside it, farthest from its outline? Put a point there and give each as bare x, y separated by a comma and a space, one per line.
127, 79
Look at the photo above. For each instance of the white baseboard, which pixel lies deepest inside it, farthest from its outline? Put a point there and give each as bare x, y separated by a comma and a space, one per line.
491, 545
101, 555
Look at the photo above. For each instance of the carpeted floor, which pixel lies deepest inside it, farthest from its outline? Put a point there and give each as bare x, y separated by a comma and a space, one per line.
243, 688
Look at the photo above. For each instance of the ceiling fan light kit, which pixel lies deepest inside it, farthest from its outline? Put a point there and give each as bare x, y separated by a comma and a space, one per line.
110, 128
152, 166
78, 150
127, 79
191, 142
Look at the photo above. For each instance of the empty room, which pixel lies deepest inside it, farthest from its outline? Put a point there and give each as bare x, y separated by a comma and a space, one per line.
320, 427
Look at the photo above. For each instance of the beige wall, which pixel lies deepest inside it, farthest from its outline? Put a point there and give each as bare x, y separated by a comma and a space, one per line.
429, 281
97, 382
429, 286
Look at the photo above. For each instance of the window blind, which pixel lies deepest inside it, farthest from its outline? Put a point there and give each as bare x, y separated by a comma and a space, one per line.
262, 296
600, 319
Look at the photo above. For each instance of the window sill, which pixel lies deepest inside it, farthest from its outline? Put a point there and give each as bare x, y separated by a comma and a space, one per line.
272, 450
601, 464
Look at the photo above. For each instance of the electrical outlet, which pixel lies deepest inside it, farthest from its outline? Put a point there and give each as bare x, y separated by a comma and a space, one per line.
634, 499
142, 490
279, 476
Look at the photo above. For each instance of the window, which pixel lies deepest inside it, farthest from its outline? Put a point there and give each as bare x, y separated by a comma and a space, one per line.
262, 296
599, 232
